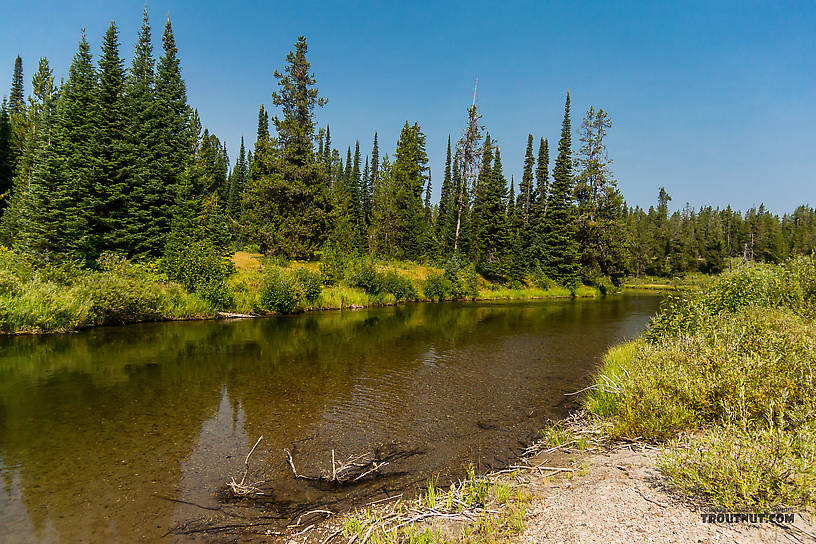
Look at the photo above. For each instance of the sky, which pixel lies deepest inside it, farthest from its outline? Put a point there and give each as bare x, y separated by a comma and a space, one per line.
716, 101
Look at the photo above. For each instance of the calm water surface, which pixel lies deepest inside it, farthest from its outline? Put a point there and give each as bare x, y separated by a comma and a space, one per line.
128, 434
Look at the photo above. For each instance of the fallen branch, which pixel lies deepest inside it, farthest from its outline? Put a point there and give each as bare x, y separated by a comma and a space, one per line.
242, 488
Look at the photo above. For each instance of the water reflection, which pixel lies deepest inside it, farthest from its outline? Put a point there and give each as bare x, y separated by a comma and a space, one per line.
121, 434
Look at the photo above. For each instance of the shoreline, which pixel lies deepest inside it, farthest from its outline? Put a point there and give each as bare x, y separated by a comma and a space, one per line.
225, 315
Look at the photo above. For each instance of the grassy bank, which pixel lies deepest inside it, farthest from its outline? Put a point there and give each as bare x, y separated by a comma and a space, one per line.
724, 376
64, 297
44, 299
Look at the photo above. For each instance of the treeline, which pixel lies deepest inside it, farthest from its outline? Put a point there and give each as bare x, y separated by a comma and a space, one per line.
116, 160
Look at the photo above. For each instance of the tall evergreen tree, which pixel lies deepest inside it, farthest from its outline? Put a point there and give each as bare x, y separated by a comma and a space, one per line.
142, 128
601, 232
538, 207
6, 163
560, 248
238, 182
34, 214
287, 210
444, 201
171, 152
78, 164
17, 98
110, 187
526, 192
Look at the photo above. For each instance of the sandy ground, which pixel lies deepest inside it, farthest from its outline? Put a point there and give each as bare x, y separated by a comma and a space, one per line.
618, 498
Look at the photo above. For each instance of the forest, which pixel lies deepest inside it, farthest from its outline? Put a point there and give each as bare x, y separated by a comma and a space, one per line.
113, 163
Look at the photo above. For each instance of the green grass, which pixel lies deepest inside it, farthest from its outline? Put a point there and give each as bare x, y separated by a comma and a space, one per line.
500, 508
729, 370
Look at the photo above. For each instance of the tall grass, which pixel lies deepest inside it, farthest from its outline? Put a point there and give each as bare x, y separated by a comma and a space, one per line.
729, 370
63, 298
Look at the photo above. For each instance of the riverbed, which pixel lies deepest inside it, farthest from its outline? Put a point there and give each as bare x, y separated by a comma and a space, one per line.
129, 434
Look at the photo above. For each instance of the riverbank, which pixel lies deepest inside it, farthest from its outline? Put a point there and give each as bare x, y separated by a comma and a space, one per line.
65, 298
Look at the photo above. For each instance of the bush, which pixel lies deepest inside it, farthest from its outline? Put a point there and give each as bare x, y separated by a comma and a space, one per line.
436, 287
402, 288
462, 279
280, 292
332, 266
540, 279
200, 268
735, 360
310, 283
364, 275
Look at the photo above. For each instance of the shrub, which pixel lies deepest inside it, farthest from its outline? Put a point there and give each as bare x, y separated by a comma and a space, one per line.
332, 266
539, 278
281, 292
401, 287
436, 287
310, 283
200, 268
362, 274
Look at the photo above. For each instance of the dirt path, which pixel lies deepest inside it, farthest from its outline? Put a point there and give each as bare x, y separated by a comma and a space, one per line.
616, 497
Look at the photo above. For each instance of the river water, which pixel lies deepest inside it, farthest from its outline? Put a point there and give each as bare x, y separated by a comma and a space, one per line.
128, 434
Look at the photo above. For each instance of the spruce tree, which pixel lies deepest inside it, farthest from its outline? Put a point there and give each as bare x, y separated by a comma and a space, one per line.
6, 165
408, 181
287, 209
111, 187
534, 246
16, 98
19, 121
142, 129
238, 181
77, 159
444, 202
171, 152
560, 248
35, 214
526, 193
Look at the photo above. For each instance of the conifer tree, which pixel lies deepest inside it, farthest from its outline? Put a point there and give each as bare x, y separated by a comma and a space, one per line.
171, 149
140, 104
526, 193
17, 98
444, 202
601, 230
263, 124
34, 214
408, 180
77, 161
560, 248
327, 149
238, 181
110, 187
6, 166
375, 162
287, 210
537, 228
18, 117
366, 196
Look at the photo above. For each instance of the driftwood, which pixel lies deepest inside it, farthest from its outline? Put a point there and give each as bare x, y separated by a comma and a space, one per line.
242, 488
354, 468
230, 315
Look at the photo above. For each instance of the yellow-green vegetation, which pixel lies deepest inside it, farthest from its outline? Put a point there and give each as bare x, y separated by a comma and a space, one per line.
351, 283
65, 297
476, 510
198, 283
726, 375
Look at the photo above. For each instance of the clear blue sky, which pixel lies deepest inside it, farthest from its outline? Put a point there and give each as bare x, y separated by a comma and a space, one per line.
714, 100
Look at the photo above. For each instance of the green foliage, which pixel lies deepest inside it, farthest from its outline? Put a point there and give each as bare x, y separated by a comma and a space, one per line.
310, 283
286, 291
363, 274
64, 297
280, 292
746, 470
332, 265
539, 278
199, 267
436, 287
734, 359
401, 287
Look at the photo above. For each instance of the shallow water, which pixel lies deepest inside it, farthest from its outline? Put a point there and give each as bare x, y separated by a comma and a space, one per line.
126, 434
